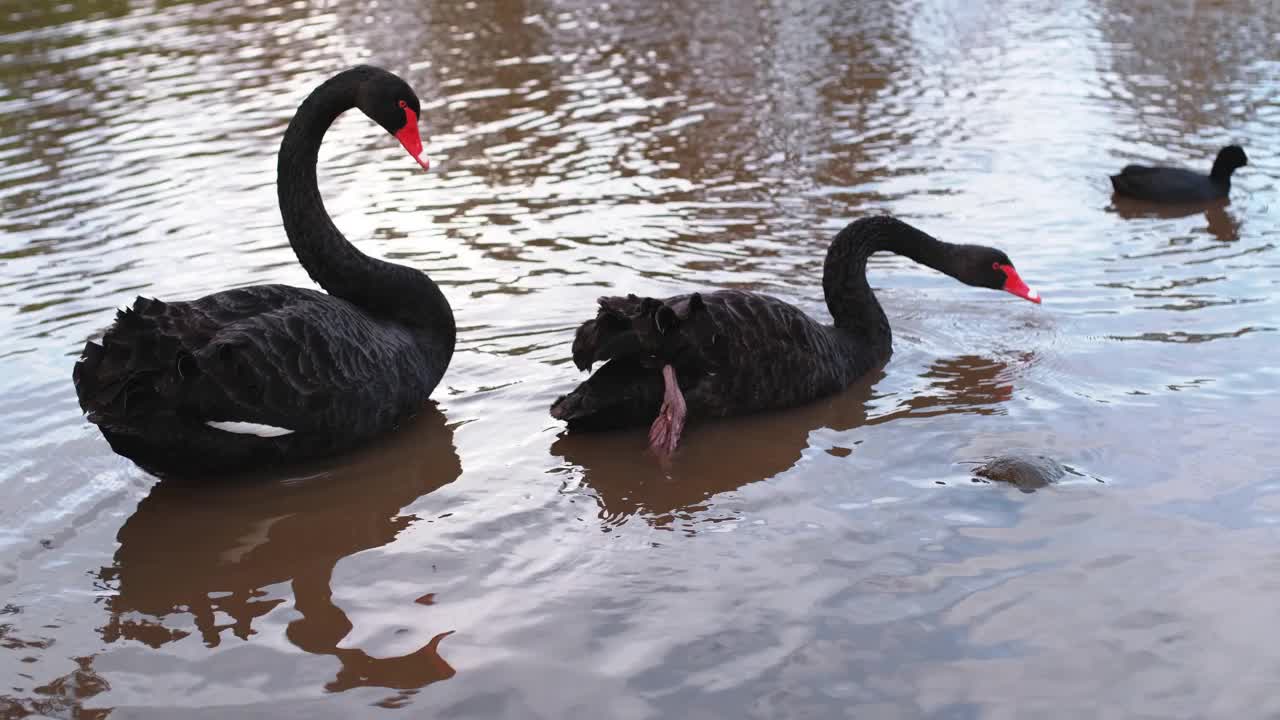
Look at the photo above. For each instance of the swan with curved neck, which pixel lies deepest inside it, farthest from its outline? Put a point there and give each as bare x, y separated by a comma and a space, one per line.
267, 374
730, 352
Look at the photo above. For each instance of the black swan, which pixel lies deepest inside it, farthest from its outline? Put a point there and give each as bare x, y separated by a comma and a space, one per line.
262, 375
1177, 185
730, 352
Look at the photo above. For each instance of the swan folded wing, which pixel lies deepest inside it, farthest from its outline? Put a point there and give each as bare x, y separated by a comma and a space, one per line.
764, 353
310, 366
268, 355
733, 351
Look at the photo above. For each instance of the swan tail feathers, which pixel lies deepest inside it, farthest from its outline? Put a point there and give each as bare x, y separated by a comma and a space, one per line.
619, 394
137, 370
634, 326
635, 338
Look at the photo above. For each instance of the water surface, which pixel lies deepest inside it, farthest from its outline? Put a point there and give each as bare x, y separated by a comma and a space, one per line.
829, 561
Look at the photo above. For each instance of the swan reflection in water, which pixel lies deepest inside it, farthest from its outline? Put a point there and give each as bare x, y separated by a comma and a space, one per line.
1220, 223
208, 549
724, 455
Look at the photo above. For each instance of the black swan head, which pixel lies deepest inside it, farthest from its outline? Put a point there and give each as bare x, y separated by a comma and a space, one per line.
1229, 158
390, 102
989, 268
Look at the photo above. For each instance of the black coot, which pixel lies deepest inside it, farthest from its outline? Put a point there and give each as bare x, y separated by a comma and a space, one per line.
1177, 185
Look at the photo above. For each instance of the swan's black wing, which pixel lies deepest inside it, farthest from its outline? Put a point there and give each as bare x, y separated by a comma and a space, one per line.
272, 355
734, 352
1165, 184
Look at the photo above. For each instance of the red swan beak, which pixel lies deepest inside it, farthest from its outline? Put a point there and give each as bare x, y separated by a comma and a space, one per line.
409, 138
1013, 284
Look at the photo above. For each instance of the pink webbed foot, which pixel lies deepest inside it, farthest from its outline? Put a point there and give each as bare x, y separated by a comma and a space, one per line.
664, 434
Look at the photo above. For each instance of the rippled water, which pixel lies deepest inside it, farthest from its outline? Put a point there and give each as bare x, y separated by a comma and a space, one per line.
829, 561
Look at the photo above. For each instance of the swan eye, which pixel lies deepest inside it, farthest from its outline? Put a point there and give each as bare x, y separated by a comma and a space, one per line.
403, 104
995, 266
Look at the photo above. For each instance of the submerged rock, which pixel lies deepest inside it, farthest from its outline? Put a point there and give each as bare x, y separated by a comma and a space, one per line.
1027, 472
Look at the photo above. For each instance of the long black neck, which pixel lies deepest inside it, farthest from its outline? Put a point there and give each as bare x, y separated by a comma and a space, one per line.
852, 303
381, 288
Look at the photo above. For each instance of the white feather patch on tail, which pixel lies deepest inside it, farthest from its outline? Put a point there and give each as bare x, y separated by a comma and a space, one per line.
248, 428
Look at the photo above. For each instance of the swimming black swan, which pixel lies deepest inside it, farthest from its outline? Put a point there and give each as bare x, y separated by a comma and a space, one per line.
260, 375
730, 352
1177, 185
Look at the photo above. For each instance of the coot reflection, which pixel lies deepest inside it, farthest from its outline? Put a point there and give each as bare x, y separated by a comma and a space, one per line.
1220, 224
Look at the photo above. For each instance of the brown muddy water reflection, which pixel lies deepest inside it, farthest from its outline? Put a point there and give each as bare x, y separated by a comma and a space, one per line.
829, 561
206, 550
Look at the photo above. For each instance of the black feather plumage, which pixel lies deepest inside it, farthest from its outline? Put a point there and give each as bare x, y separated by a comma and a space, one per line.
334, 369
737, 352
1179, 185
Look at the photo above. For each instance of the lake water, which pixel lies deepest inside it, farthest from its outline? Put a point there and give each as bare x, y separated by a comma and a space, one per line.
834, 560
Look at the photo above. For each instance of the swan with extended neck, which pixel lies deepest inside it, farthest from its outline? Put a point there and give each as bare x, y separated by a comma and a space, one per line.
730, 352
